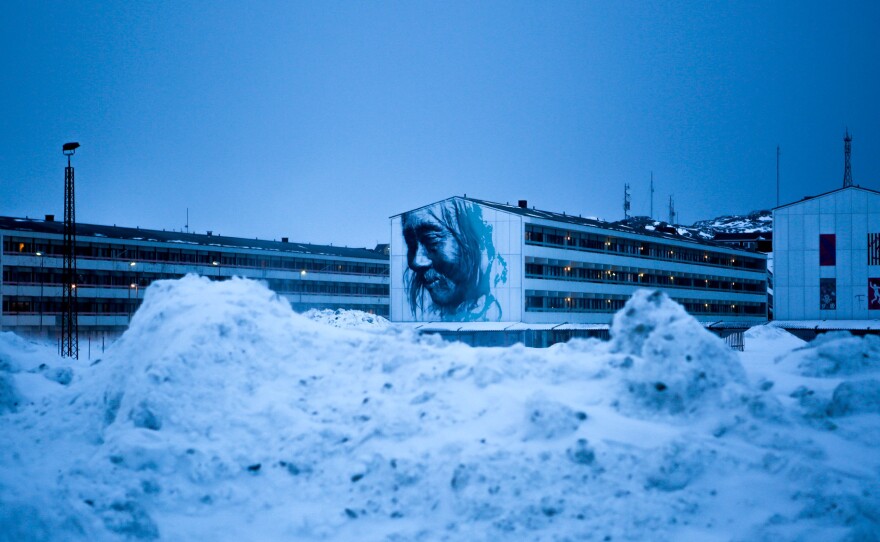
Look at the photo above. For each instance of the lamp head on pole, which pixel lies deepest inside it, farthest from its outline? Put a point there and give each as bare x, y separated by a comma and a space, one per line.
69, 148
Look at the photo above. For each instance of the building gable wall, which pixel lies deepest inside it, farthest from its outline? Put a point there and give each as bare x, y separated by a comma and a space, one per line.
802, 284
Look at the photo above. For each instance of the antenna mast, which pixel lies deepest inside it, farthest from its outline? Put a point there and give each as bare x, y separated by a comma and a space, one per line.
652, 196
847, 168
671, 211
777, 175
626, 201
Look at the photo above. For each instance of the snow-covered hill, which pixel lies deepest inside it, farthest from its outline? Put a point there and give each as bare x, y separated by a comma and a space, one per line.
223, 415
756, 221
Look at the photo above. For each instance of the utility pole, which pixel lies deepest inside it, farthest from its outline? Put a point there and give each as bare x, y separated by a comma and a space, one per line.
626, 201
69, 311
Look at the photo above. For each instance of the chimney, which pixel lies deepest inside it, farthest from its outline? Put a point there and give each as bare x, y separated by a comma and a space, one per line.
50, 218
284, 239
523, 204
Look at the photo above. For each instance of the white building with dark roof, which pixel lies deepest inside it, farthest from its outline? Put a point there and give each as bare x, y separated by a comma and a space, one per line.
468, 260
116, 264
827, 259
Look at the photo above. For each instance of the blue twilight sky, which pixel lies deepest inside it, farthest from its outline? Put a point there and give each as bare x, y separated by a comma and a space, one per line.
317, 121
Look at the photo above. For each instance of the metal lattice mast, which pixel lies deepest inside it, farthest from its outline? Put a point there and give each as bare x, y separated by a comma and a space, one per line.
69, 310
847, 168
671, 211
627, 201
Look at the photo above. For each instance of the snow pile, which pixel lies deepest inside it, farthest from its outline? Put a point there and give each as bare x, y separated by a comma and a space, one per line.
346, 318
673, 364
23, 360
223, 415
843, 378
838, 353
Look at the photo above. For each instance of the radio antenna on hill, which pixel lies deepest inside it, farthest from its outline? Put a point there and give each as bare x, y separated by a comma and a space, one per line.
847, 168
777, 175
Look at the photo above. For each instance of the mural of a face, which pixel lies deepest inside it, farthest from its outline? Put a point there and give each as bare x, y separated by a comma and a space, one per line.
435, 256
449, 256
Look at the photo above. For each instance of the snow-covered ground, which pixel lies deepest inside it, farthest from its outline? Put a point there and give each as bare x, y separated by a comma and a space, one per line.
222, 415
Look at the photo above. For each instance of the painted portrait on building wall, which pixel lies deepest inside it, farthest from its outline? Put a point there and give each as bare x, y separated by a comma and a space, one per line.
452, 264
827, 294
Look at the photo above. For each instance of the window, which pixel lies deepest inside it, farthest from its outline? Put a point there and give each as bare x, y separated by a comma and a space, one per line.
827, 249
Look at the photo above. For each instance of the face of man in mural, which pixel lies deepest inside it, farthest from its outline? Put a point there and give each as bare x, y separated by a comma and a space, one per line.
434, 254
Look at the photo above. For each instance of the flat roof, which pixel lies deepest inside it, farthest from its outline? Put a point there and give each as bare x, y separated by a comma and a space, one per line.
193, 240
466, 327
825, 325
595, 223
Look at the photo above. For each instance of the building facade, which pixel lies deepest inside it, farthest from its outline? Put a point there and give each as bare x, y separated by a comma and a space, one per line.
827, 256
116, 264
468, 260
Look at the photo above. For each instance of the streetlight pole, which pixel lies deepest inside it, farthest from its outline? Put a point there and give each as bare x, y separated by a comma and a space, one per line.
70, 312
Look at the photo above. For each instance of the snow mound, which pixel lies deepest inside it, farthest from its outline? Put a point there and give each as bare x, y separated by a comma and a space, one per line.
673, 364
856, 397
770, 338
347, 318
9, 397
223, 415
837, 353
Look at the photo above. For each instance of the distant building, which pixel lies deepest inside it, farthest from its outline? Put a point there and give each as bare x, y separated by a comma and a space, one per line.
116, 264
465, 260
827, 258
756, 241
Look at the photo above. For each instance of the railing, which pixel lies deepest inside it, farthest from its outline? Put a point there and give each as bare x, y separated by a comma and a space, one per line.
642, 255
646, 284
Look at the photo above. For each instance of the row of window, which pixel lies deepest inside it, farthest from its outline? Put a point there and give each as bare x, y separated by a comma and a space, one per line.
591, 242
54, 277
121, 307
136, 253
572, 302
648, 277
279, 286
